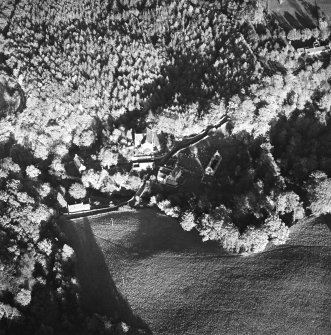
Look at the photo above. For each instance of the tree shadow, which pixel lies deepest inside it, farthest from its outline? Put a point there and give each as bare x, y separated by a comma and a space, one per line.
99, 293
326, 220
302, 144
157, 233
240, 154
297, 17
12, 96
197, 77
300, 21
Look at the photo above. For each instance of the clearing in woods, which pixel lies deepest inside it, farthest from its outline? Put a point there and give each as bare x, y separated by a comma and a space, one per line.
298, 14
179, 285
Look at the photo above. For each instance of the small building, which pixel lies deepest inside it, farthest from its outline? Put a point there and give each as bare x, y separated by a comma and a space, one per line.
79, 163
142, 162
138, 139
129, 135
316, 50
152, 139
140, 166
142, 158
147, 142
214, 163
162, 174
169, 176
81, 207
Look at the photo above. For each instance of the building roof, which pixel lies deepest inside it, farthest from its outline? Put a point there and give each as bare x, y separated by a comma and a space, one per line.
176, 173
214, 163
129, 134
172, 182
139, 166
138, 139
169, 176
315, 50
147, 141
79, 163
163, 173
78, 207
152, 138
140, 158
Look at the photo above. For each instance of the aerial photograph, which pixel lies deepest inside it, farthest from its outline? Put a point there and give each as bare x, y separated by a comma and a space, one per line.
165, 167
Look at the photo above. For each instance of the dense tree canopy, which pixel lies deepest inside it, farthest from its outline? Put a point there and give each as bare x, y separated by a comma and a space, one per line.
80, 81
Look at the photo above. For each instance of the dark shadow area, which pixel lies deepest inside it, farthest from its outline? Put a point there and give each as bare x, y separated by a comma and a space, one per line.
193, 76
99, 293
299, 21
241, 155
139, 4
296, 16
157, 233
179, 281
302, 144
12, 97
325, 219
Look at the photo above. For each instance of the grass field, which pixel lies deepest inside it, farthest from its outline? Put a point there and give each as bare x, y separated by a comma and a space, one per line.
325, 5
179, 285
297, 14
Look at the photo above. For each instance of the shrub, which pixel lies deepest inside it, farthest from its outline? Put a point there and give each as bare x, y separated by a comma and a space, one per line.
276, 230
188, 221
77, 191
214, 226
23, 297
252, 240
289, 202
32, 172
319, 193
91, 178
166, 207
107, 157
67, 252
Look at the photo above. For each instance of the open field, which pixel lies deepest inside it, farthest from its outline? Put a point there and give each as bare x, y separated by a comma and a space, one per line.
179, 285
325, 5
297, 14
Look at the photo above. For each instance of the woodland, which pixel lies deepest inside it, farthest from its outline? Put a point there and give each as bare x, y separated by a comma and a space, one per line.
79, 76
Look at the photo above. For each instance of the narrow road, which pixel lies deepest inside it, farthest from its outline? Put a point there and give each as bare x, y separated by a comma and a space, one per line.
187, 142
162, 159
159, 161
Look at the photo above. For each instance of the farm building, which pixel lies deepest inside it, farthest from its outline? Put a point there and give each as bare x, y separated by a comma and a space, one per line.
214, 163
78, 208
140, 166
169, 176
146, 142
314, 51
79, 163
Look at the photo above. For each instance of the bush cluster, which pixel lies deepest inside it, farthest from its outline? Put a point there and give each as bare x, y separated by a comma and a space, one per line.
218, 225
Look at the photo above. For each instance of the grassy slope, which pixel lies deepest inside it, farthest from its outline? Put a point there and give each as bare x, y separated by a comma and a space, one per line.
180, 286
325, 5
294, 13
298, 13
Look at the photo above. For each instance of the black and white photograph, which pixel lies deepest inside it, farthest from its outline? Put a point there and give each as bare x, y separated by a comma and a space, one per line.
165, 167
